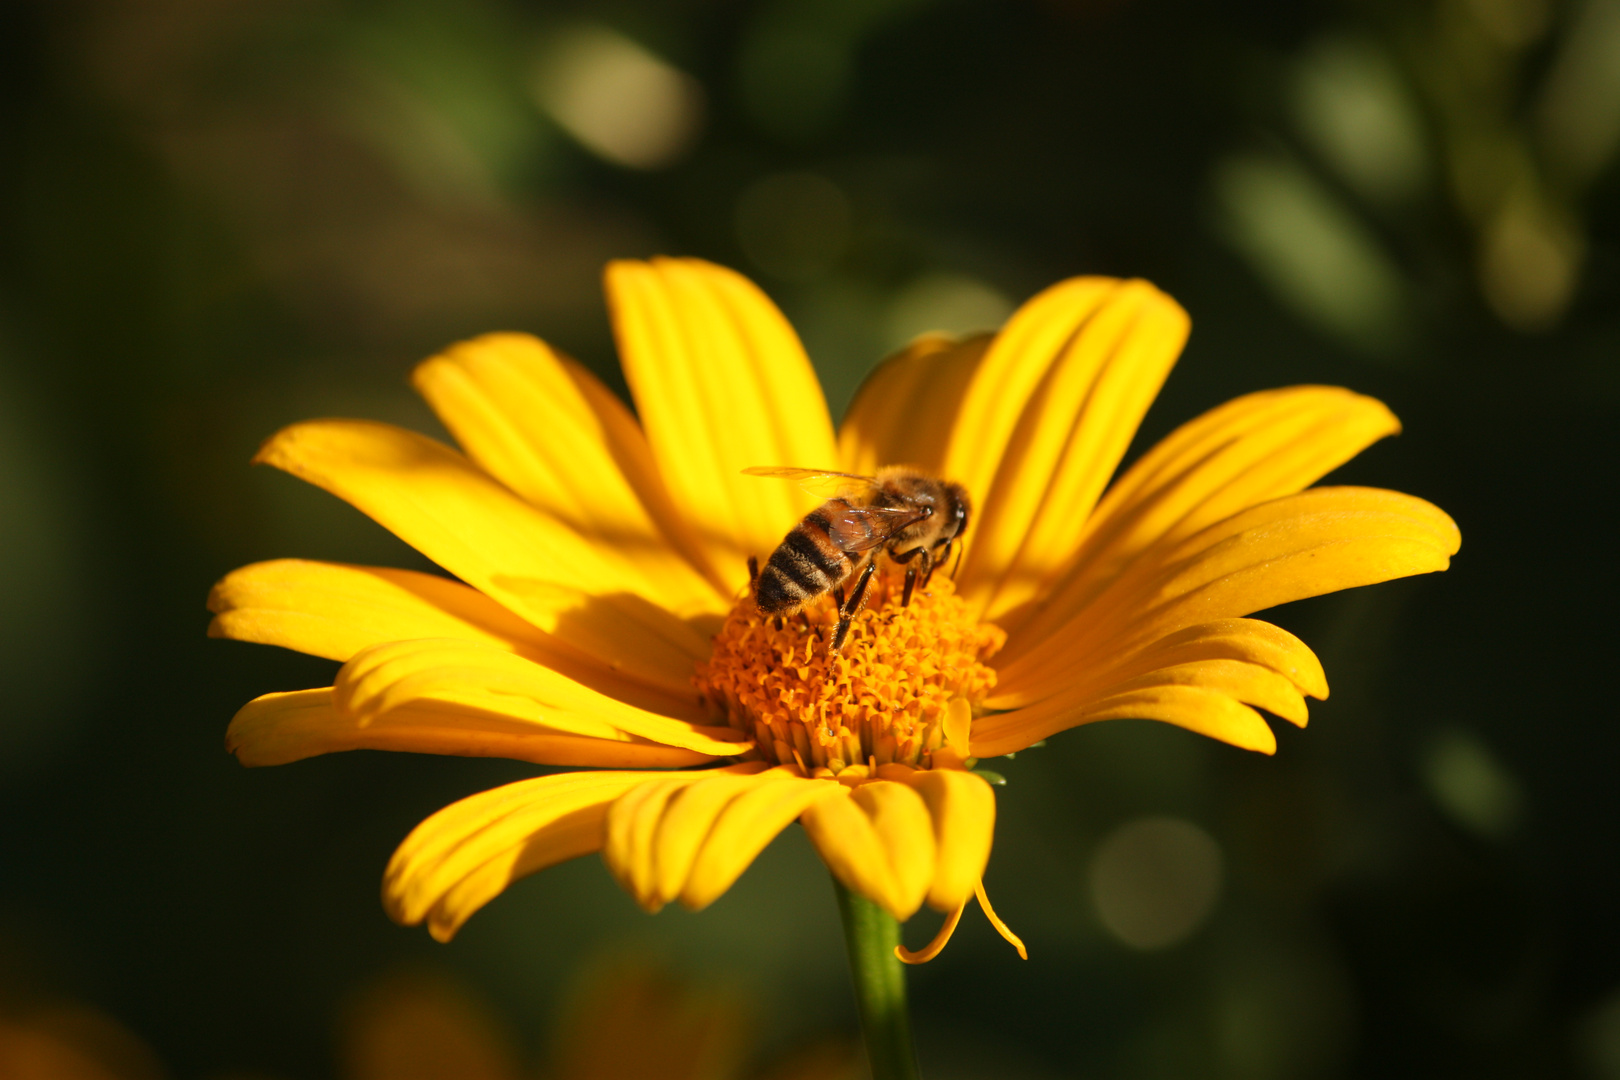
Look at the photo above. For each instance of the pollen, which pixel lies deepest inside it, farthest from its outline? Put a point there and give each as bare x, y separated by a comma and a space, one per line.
882, 700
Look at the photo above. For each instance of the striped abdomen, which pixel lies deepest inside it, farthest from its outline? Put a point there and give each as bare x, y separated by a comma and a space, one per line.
808, 563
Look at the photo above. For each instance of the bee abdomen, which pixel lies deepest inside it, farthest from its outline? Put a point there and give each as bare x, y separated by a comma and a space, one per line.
800, 568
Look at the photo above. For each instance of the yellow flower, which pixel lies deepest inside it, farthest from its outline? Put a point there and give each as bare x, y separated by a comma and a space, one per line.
602, 615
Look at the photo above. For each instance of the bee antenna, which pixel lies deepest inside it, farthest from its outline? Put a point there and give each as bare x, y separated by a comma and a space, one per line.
958, 564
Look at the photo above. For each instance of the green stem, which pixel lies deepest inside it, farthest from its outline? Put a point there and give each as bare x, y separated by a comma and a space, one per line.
880, 985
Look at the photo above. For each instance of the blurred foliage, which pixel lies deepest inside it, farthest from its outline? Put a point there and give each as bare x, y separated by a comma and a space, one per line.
216, 218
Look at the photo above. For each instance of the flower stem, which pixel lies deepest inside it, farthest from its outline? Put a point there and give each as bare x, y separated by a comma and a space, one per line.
880, 985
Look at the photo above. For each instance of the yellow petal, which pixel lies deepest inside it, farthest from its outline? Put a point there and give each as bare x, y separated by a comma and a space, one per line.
941, 938
905, 409
963, 809
453, 672
850, 846
721, 384
463, 856
1196, 708
1070, 436
659, 841
549, 430
1012, 369
995, 920
632, 825
333, 610
1249, 640
458, 516
279, 728
742, 830
1251, 450
879, 842
1309, 544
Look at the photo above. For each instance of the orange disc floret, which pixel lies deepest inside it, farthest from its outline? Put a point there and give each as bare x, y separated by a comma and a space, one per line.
882, 700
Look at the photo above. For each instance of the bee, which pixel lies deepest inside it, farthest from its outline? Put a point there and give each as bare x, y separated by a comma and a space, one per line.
915, 517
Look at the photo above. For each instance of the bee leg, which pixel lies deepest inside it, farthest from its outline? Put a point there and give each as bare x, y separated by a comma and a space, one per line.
935, 564
804, 617
779, 622
753, 575
847, 612
911, 573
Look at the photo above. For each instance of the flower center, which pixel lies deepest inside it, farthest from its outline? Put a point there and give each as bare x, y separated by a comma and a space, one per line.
883, 700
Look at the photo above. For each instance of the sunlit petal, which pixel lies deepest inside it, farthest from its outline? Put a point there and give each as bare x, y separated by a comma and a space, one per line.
905, 411
279, 728
1249, 451
531, 563
721, 384
1072, 432
334, 610
549, 430
1316, 542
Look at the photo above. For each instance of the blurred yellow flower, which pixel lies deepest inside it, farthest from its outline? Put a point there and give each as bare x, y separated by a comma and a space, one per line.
602, 615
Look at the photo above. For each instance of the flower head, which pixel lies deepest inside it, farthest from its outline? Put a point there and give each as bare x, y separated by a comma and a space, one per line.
601, 614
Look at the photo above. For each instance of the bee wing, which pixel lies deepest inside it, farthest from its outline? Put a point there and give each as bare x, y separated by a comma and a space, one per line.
884, 523
822, 483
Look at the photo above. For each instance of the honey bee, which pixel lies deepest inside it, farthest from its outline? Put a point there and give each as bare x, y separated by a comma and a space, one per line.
916, 518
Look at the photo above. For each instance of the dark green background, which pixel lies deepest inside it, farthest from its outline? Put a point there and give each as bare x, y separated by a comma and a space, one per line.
217, 218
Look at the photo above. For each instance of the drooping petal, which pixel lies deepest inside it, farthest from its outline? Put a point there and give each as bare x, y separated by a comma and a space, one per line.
1316, 542
905, 410
334, 610
721, 384
1074, 427
1251, 450
461, 858
458, 516
963, 809
279, 728
453, 672
690, 836
548, 429
879, 842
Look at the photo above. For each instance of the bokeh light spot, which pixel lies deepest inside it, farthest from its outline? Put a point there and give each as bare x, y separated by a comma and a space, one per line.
1155, 880
1351, 104
622, 102
1316, 256
1471, 785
